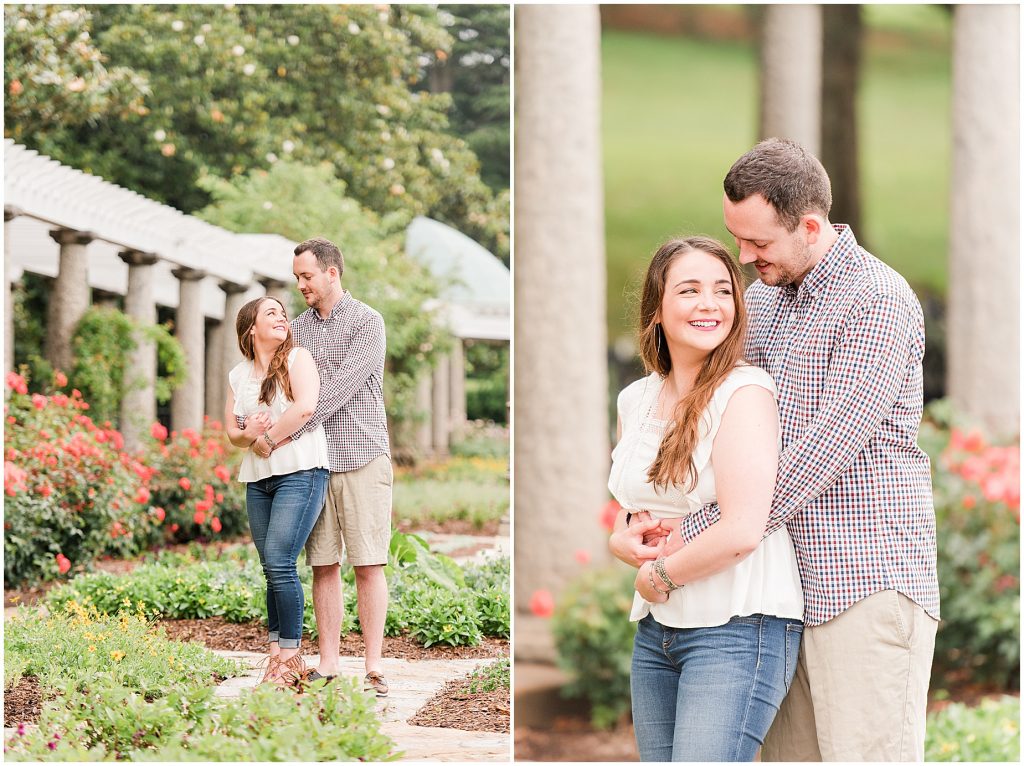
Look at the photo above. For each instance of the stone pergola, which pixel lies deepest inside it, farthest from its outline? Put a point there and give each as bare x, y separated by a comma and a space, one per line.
89, 234
475, 303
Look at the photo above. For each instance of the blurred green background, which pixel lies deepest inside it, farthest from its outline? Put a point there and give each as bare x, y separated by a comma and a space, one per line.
679, 109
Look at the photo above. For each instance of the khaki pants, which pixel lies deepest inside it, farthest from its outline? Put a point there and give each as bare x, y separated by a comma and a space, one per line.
861, 686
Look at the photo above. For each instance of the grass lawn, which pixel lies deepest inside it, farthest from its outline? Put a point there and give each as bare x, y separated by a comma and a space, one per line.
677, 112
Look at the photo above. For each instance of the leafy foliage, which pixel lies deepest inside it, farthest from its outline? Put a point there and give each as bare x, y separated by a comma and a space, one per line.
986, 733
229, 89
492, 676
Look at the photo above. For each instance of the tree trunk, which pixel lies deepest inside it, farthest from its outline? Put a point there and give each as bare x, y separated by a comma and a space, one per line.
840, 83
791, 74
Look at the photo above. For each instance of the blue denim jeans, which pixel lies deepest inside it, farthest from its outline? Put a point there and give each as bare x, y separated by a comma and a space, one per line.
710, 694
282, 511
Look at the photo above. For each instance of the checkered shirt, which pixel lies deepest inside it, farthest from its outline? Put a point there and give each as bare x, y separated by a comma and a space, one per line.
348, 347
853, 488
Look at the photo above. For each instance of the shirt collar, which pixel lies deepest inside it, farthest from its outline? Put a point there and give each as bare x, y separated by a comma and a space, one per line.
830, 264
339, 307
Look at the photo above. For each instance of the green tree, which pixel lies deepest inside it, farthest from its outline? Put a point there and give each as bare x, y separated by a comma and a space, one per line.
298, 201
237, 87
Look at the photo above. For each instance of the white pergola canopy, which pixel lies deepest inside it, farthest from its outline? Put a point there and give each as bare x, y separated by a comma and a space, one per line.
477, 286
49, 195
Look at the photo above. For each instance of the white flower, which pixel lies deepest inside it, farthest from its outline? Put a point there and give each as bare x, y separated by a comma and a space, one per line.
199, 39
271, 157
238, 50
382, 15
268, 205
206, 27
437, 154
160, 135
249, 69
423, 60
385, 135
288, 146
177, 25
353, 28
22, 25
293, 39
388, 163
383, 110
68, 16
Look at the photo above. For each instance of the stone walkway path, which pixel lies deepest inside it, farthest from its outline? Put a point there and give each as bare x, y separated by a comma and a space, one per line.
412, 683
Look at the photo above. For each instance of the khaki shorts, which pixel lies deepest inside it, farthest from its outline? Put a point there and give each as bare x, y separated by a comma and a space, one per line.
861, 686
356, 518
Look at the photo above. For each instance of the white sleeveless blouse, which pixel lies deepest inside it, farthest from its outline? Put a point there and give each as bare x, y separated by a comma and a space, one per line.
767, 581
309, 451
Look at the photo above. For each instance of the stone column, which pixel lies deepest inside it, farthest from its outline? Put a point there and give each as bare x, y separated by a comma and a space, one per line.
561, 380
229, 354
10, 213
187, 400
457, 387
216, 375
138, 407
983, 323
423, 439
439, 411
276, 288
791, 74
70, 297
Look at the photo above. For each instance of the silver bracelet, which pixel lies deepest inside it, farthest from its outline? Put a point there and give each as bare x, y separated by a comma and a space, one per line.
659, 567
654, 587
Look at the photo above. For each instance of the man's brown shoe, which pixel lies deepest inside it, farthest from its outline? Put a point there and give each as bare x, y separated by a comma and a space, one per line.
374, 682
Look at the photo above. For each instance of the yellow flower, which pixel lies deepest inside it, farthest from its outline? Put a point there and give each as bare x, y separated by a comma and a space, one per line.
15, 599
92, 648
448, 628
117, 655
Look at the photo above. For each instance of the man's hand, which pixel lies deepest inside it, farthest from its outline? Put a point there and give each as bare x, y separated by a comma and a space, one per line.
260, 447
628, 544
642, 584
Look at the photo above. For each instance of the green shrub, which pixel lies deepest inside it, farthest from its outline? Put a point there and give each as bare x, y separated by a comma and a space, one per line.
108, 721
473, 489
76, 643
492, 676
988, 732
976, 489
595, 640
491, 584
72, 494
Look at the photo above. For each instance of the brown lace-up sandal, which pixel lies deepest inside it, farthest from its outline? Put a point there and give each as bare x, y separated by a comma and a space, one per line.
269, 666
293, 671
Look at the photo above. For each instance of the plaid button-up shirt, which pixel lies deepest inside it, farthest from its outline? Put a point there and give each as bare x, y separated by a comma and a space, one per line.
348, 347
853, 487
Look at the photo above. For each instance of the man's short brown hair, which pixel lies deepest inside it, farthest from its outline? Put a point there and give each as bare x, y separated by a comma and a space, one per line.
326, 252
789, 177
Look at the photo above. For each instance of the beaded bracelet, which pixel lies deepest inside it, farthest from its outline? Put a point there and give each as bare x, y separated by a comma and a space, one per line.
659, 567
654, 587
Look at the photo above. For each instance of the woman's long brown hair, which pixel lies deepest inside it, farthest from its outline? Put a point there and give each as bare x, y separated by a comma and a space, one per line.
277, 370
674, 462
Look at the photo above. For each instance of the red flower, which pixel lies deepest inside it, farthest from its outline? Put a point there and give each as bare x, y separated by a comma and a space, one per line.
38, 401
191, 435
175, 527
63, 563
17, 383
59, 379
158, 431
185, 484
969, 501
222, 473
203, 506
46, 490
199, 517
160, 513
215, 524
142, 496
542, 603
608, 513
582, 556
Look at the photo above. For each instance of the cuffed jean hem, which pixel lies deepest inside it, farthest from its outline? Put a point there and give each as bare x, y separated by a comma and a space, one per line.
273, 637
289, 643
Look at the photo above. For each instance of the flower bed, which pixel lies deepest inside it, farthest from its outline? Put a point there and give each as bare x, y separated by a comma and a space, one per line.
73, 494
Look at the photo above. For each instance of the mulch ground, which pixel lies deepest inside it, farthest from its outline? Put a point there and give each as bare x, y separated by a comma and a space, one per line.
456, 707
448, 527
23, 703
218, 633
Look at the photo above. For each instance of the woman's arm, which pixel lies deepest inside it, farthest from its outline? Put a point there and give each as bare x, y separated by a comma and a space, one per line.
305, 382
745, 459
255, 424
